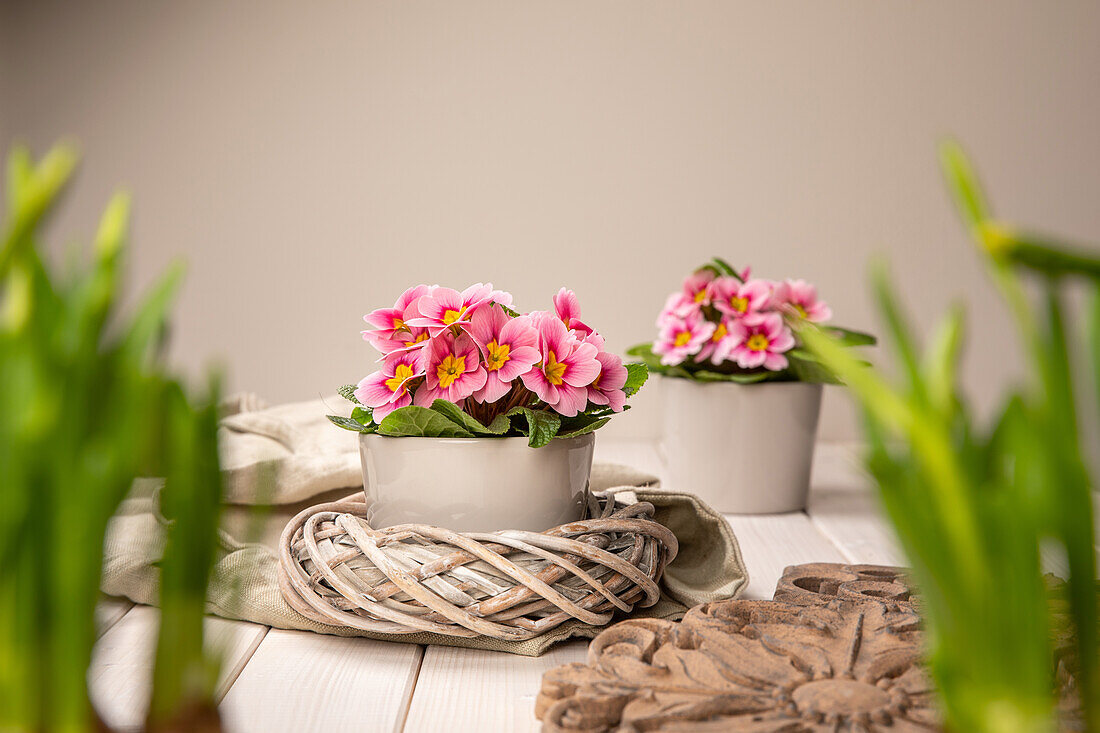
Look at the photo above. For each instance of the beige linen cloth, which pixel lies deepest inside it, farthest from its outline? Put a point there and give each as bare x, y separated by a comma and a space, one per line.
312, 461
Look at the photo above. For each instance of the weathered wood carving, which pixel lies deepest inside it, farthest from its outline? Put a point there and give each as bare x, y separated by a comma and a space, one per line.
838, 649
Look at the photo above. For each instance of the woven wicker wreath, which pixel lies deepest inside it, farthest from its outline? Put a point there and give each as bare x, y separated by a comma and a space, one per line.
513, 585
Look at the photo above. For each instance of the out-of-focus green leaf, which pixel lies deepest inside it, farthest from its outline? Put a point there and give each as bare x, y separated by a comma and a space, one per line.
31, 193
849, 337
1050, 256
113, 226
183, 676
705, 375
727, 269
82, 414
901, 337
1093, 339
971, 507
942, 360
805, 367
964, 184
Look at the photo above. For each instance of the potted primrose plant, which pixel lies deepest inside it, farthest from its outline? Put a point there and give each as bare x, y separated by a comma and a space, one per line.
742, 398
480, 417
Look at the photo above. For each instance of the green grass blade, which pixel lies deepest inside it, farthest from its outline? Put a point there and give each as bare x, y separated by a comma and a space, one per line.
964, 185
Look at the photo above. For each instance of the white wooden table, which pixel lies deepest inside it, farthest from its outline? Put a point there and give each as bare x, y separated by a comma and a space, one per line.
275, 680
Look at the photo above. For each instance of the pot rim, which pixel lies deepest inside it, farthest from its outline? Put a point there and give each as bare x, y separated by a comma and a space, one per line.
482, 440
754, 385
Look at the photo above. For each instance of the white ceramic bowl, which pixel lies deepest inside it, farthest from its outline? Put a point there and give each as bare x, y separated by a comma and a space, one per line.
475, 484
742, 448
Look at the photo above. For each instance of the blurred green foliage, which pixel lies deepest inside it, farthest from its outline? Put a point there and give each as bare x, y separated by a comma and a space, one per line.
85, 407
973, 504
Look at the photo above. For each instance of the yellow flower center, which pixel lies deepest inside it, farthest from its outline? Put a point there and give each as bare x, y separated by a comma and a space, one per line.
682, 338
699, 296
553, 369
451, 368
739, 304
399, 325
719, 333
757, 342
418, 339
450, 316
800, 309
496, 355
401, 374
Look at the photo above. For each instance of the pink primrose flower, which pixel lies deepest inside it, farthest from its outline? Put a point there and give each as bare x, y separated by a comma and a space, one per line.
695, 286
388, 388
801, 297
509, 347
389, 327
607, 389
567, 366
452, 367
737, 299
568, 309
447, 309
761, 340
680, 338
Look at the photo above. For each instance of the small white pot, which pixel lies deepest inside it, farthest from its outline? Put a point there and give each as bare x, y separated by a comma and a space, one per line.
742, 448
475, 484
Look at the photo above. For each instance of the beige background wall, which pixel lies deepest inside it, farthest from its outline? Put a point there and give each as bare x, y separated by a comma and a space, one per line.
311, 159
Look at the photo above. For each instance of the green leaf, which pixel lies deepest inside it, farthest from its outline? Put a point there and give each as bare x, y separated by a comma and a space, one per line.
848, 337
727, 269
653, 361
1093, 324
506, 309
805, 367
348, 423
348, 393
584, 430
636, 376
37, 191
420, 422
149, 323
1050, 256
457, 415
941, 361
113, 226
964, 184
900, 332
364, 415
705, 375
542, 425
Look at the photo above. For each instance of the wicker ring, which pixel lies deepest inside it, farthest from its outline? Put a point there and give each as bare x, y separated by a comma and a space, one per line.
334, 568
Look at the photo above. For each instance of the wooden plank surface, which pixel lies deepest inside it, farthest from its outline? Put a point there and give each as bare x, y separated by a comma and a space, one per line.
297, 681
301, 681
122, 663
462, 690
771, 542
843, 504
468, 690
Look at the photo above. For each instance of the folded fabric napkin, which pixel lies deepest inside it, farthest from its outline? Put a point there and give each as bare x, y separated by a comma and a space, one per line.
311, 466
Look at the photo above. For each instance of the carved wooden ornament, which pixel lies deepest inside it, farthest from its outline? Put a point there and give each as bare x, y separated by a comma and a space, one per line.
838, 650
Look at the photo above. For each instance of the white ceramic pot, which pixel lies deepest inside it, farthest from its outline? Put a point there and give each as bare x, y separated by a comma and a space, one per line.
475, 484
742, 448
